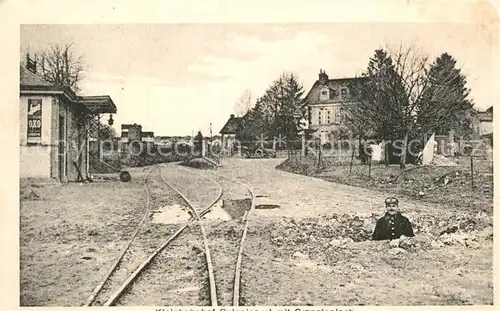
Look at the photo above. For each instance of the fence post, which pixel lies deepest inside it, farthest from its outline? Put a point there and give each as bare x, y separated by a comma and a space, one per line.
352, 159
319, 155
472, 172
370, 167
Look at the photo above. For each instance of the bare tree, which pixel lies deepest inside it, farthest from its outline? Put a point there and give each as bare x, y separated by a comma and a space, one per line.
401, 99
60, 65
411, 70
244, 103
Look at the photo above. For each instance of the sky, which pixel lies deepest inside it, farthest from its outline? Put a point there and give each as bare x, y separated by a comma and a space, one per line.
176, 79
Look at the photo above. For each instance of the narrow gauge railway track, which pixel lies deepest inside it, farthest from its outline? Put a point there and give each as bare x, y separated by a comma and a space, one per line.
97, 290
240, 245
120, 290
195, 217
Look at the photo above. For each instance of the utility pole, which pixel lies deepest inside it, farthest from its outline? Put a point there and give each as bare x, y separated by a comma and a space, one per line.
99, 135
210, 132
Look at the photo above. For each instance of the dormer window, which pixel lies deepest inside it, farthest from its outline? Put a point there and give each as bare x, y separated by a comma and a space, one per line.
343, 93
324, 94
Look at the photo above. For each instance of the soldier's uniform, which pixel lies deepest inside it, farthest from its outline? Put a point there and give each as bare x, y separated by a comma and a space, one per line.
392, 226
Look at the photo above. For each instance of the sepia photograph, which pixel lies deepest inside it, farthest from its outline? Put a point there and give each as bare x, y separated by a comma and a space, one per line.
256, 164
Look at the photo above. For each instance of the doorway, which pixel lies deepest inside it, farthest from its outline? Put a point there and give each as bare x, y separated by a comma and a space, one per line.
61, 150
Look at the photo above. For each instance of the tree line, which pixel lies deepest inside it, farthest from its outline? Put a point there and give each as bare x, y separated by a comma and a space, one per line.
400, 95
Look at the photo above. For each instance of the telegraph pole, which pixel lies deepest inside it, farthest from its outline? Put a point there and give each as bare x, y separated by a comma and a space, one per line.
210, 132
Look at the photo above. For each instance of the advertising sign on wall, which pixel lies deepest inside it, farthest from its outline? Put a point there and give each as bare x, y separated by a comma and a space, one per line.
34, 120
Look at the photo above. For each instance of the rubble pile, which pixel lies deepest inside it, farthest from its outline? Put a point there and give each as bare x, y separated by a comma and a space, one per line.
315, 236
440, 160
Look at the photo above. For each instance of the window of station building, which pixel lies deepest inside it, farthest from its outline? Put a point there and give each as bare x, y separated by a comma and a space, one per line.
328, 117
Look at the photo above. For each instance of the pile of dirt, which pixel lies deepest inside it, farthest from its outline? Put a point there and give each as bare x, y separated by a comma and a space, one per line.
199, 163
314, 236
298, 167
440, 160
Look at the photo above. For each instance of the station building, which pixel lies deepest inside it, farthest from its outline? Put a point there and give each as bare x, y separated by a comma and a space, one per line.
55, 127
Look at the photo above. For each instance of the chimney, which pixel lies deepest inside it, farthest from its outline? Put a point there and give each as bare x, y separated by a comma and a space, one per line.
323, 77
30, 64
231, 116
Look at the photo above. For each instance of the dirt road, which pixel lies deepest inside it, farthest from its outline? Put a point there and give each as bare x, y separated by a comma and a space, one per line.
302, 196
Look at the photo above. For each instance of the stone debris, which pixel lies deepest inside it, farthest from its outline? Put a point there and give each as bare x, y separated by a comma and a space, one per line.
335, 243
394, 243
436, 244
454, 238
440, 160
397, 251
472, 244
299, 255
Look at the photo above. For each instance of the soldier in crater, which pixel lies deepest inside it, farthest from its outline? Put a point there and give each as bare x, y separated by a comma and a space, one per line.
393, 224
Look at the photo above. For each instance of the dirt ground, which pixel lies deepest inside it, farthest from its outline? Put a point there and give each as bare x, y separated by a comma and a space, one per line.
360, 271
313, 248
422, 183
311, 266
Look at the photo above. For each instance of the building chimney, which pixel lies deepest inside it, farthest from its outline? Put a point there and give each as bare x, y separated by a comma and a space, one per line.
231, 116
30, 64
323, 77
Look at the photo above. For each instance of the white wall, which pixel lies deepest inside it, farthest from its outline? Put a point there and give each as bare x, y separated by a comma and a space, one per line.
35, 159
486, 127
46, 118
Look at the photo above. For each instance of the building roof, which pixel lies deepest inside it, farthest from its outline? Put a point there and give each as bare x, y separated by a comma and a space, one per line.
486, 116
147, 134
129, 126
28, 78
98, 104
334, 85
34, 84
231, 125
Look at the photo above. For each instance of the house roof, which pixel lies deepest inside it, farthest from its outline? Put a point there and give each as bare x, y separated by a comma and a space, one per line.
486, 116
312, 96
231, 125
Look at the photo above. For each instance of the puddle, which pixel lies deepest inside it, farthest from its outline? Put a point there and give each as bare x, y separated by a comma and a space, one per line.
171, 214
267, 206
222, 210
217, 212
265, 203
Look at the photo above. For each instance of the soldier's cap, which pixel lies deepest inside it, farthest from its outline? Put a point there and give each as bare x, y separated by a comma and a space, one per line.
391, 200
